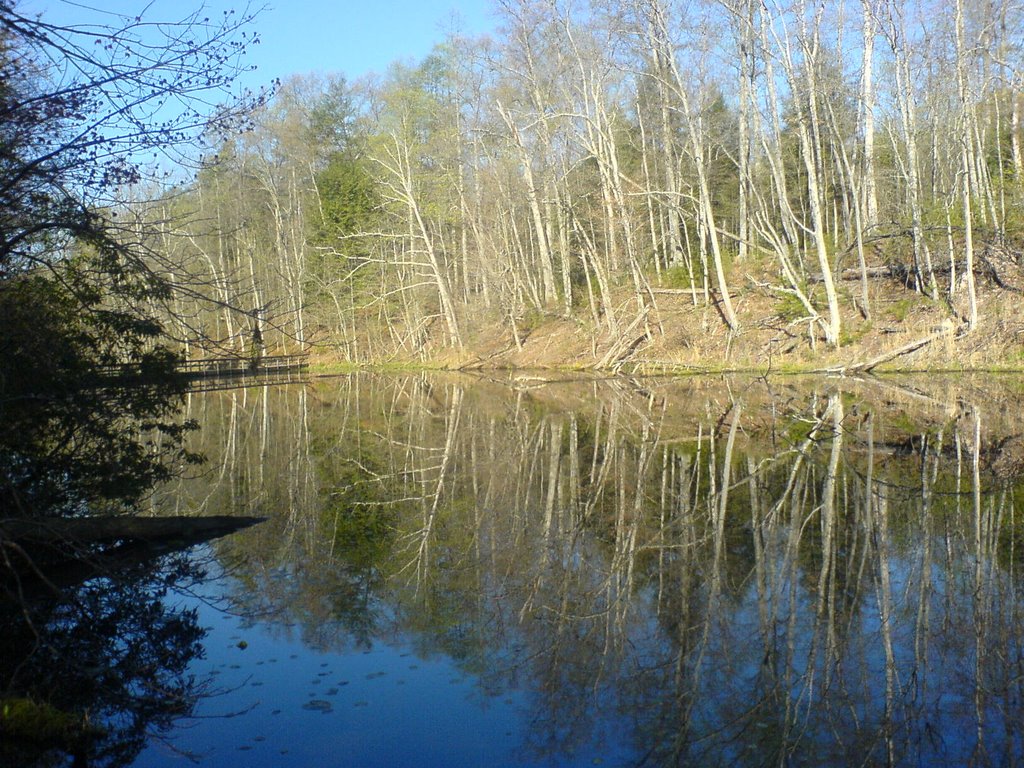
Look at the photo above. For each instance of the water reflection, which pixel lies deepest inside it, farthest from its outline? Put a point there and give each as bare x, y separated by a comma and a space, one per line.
91, 672
728, 572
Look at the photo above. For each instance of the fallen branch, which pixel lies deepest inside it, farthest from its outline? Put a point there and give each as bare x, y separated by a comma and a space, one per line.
625, 345
855, 273
983, 268
678, 291
945, 330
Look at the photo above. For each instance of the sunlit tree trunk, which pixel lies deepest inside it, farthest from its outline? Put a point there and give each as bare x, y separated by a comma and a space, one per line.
397, 165
802, 77
966, 151
867, 110
906, 99
533, 197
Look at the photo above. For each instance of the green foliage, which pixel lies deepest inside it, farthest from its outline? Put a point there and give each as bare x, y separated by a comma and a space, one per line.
348, 200
332, 119
22, 719
679, 276
722, 170
529, 321
849, 335
790, 308
900, 310
72, 439
359, 520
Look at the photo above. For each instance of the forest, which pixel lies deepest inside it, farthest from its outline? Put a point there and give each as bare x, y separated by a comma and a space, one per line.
781, 175
783, 178
600, 185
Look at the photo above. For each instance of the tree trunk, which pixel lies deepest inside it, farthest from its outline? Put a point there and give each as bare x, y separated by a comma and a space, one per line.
869, 207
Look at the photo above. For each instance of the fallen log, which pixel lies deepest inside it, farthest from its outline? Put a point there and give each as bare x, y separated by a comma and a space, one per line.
983, 268
44, 557
945, 330
625, 345
84, 531
855, 273
678, 291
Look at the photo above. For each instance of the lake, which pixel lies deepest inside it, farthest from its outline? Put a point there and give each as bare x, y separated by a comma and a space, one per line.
519, 569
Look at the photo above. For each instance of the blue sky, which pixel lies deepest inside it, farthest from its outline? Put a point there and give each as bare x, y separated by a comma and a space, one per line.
359, 36
353, 37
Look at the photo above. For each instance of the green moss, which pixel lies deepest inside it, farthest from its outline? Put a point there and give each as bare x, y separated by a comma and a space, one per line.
849, 336
900, 310
22, 719
529, 321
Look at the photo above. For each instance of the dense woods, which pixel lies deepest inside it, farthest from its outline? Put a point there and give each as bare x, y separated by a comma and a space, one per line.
762, 164
597, 159
753, 165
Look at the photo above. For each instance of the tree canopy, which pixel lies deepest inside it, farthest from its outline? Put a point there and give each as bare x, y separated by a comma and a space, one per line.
86, 114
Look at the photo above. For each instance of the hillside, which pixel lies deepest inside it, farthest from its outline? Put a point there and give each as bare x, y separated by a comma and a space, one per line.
679, 332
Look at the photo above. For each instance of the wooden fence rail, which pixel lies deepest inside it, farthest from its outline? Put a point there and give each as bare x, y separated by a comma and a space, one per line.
219, 367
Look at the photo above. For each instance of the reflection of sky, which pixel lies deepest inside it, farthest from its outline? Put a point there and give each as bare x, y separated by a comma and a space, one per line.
934, 716
278, 702
381, 706
388, 705
541, 630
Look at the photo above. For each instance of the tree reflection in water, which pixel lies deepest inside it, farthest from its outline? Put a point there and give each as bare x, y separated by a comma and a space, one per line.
92, 672
718, 572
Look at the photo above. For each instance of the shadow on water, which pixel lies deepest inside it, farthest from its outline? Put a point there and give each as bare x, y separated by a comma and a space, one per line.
95, 647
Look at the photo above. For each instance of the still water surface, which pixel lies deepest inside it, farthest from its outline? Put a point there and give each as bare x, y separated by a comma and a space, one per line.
514, 571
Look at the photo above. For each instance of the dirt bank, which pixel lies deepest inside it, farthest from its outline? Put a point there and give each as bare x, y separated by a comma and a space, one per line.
679, 331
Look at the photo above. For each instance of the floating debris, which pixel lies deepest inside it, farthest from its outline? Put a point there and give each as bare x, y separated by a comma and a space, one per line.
318, 705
